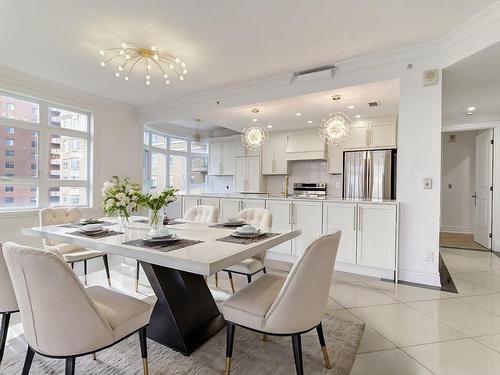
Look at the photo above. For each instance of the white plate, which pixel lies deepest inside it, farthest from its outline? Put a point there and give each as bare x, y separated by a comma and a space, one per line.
93, 228
95, 232
168, 239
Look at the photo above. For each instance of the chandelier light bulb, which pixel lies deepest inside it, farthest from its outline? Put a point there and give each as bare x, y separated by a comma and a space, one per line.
148, 66
255, 120
153, 48
101, 52
171, 66
148, 83
120, 68
117, 74
124, 45
126, 78
183, 64
165, 76
181, 78
122, 52
155, 56
127, 56
148, 77
177, 60
167, 82
184, 71
103, 64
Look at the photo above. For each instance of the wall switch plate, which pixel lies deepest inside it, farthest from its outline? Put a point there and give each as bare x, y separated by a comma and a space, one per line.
427, 183
431, 77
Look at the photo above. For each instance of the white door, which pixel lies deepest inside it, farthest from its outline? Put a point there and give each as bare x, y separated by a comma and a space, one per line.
214, 158
228, 208
377, 236
484, 186
253, 203
268, 157
282, 220
357, 136
240, 174
342, 216
189, 202
227, 158
307, 218
382, 132
253, 174
280, 162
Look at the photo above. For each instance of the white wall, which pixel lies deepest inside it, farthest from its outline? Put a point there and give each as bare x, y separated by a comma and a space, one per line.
458, 170
117, 144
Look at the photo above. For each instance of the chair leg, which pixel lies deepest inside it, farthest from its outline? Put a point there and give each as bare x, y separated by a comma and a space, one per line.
319, 329
94, 356
85, 270
28, 360
72, 266
216, 279
264, 270
3, 333
70, 366
231, 280
297, 354
144, 350
249, 278
137, 271
229, 347
106, 267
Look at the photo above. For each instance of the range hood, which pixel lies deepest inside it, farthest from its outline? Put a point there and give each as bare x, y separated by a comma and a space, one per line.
306, 146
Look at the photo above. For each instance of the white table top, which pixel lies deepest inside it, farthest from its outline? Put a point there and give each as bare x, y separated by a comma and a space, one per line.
205, 258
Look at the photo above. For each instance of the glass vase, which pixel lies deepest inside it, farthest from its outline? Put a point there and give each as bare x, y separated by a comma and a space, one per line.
123, 220
155, 221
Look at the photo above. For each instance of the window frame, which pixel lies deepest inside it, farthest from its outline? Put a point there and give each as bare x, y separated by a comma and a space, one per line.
45, 130
150, 150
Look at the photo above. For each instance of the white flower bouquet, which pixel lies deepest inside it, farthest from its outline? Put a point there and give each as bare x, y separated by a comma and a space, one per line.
155, 202
120, 196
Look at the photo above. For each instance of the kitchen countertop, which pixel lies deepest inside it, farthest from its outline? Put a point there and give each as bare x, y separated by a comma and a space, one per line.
290, 197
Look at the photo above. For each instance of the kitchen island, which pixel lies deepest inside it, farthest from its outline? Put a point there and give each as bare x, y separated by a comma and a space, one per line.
369, 243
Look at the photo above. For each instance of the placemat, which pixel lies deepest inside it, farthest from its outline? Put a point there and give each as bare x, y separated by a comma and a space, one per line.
226, 226
170, 222
109, 233
163, 247
247, 241
78, 225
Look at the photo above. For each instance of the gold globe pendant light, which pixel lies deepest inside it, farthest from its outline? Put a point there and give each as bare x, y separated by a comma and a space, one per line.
254, 135
335, 127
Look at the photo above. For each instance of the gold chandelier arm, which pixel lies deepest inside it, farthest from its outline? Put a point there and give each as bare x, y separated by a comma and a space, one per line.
137, 59
176, 68
160, 67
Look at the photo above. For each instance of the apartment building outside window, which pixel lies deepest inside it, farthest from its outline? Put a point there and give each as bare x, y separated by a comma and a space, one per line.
170, 160
34, 146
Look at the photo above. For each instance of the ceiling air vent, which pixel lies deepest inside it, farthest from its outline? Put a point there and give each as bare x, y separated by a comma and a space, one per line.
373, 104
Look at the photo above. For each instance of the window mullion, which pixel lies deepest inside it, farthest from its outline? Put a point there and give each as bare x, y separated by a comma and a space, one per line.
43, 157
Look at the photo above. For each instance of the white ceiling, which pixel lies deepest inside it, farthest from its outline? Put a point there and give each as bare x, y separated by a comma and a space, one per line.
473, 81
224, 42
281, 114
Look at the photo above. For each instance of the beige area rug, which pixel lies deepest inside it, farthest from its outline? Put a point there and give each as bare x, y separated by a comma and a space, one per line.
251, 355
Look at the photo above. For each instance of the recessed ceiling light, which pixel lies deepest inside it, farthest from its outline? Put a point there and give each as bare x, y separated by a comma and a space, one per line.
471, 109
309, 122
298, 114
269, 126
469, 113
255, 119
357, 116
350, 106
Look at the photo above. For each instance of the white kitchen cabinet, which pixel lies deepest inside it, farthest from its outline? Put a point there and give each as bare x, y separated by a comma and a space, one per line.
306, 216
247, 176
252, 203
343, 217
274, 156
221, 158
378, 132
376, 236
189, 202
240, 150
282, 220
335, 163
229, 208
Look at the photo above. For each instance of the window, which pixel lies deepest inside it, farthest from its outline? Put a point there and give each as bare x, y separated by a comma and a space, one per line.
187, 163
48, 163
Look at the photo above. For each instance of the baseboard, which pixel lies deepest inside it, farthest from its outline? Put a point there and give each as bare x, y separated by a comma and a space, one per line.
420, 278
454, 229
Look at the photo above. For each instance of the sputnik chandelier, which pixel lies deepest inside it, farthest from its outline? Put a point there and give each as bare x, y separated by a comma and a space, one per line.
130, 56
335, 127
254, 135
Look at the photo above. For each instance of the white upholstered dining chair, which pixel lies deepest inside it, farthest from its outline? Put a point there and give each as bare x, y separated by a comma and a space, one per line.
63, 319
8, 302
70, 253
290, 306
259, 218
197, 214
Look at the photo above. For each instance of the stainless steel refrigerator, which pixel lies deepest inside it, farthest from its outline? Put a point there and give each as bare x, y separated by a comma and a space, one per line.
370, 174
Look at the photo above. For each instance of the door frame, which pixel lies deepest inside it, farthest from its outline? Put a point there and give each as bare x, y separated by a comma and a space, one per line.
495, 214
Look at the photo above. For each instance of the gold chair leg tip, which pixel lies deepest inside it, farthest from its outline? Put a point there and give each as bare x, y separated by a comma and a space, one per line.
94, 357
145, 366
326, 357
227, 371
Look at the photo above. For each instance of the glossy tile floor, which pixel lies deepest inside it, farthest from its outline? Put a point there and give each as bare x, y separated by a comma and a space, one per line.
409, 330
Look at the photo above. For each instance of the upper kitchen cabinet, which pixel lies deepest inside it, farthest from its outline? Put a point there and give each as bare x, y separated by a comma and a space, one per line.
240, 150
274, 156
377, 132
221, 158
305, 146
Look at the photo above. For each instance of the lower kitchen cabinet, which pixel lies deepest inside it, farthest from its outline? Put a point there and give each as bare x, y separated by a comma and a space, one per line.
253, 203
342, 216
189, 202
306, 216
228, 208
376, 236
282, 220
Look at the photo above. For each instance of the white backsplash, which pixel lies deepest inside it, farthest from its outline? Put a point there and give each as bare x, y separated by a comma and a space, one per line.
307, 171
220, 184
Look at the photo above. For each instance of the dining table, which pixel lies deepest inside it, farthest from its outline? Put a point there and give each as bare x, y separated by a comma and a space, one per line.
185, 314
